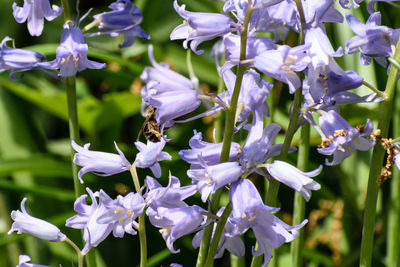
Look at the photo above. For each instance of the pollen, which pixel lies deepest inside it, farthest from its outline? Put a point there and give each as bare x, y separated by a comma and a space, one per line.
244, 215
129, 213
252, 218
157, 217
206, 175
341, 132
118, 210
62, 61
209, 181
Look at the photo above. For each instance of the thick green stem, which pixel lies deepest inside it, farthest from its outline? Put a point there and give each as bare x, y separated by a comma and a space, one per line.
299, 203
226, 146
73, 129
376, 166
393, 246
393, 243
142, 226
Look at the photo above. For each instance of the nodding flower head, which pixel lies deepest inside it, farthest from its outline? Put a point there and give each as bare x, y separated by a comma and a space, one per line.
72, 53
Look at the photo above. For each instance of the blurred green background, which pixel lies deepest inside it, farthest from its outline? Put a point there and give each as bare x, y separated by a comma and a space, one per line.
34, 144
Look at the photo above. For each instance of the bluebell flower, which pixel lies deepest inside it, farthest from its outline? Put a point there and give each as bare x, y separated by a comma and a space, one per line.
259, 145
249, 211
17, 60
253, 93
100, 163
317, 12
177, 222
171, 196
25, 223
255, 45
35, 11
397, 157
340, 139
120, 213
294, 178
123, 19
209, 178
23, 262
370, 5
71, 55
372, 39
283, 63
230, 239
209, 152
150, 154
199, 27
87, 219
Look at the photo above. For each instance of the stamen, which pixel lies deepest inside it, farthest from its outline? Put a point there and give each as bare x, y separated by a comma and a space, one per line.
209, 181
118, 210
252, 218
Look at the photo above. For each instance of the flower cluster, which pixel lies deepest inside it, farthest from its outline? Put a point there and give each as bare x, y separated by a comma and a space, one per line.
308, 71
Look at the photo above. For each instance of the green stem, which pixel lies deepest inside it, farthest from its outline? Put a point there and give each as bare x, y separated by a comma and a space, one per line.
299, 203
78, 251
373, 89
393, 246
73, 129
66, 10
226, 146
142, 226
376, 165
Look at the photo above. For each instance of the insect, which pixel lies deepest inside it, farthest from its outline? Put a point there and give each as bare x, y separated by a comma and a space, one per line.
150, 128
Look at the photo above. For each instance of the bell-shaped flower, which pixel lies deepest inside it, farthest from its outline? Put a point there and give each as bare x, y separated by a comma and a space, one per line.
123, 19
199, 27
35, 11
120, 213
254, 46
94, 232
25, 223
316, 13
249, 211
349, 3
259, 145
253, 93
372, 39
230, 239
71, 55
340, 139
294, 178
283, 63
209, 152
23, 262
150, 154
100, 163
209, 178
171, 196
177, 222
17, 60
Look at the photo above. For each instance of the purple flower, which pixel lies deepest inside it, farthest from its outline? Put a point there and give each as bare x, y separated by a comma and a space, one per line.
249, 211
283, 63
294, 178
17, 60
94, 232
25, 223
199, 27
348, 3
340, 139
35, 11
259, 146
23, 262
210, 178
177, 222
100, 163
254, 46
209, 152
253, 93
230, 239
316, 12
72, 54
372, 39
120, 213
397, 157
150, 155
123, 19
171, 196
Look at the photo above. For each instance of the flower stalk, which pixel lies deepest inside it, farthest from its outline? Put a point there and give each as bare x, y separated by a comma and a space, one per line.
142, 226
78, 251
376, 165
226, 146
